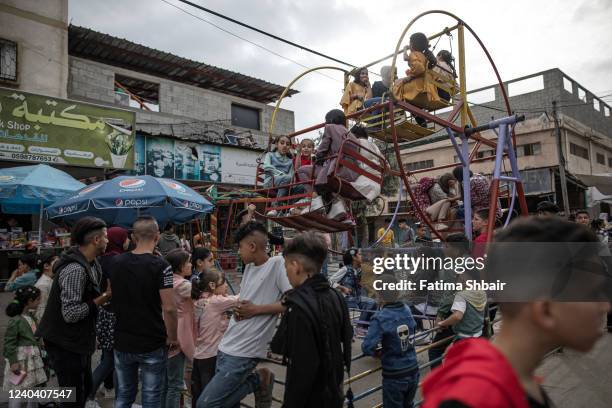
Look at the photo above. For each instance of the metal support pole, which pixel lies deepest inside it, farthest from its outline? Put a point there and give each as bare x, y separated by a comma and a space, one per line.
561, 157
462, 85
467, 199
40, 221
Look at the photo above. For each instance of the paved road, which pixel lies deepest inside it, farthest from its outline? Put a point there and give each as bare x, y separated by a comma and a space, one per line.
572, 380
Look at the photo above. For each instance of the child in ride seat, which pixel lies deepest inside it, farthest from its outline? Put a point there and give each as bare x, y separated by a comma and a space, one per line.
419, 60
334, 134
445, 68
392, 327
369, 188
278, 169
306, 153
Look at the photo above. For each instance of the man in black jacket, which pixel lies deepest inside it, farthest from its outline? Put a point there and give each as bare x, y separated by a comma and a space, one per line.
68, 324
315, 333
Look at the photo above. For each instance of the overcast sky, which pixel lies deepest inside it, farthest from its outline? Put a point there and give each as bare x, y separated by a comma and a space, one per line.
522, 36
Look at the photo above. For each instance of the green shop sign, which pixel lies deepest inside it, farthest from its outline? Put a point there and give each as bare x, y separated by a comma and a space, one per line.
38, 128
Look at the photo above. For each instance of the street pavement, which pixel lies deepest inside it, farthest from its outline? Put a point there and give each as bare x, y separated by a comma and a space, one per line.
571, 379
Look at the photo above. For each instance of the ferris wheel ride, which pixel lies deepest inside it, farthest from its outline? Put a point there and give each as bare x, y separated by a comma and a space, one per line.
393, 121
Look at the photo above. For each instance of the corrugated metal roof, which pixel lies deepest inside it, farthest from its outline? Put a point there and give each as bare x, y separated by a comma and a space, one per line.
86, 43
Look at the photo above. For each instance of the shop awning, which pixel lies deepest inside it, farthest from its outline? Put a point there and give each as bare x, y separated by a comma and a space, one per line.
603, 182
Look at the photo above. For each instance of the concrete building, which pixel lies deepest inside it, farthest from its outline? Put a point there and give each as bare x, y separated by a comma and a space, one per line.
190, 121
33, 46
586, 138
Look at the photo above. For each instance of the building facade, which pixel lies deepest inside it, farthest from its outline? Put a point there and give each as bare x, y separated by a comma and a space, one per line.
585, 124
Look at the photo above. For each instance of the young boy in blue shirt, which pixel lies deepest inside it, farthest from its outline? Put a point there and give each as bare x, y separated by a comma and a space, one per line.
392, 327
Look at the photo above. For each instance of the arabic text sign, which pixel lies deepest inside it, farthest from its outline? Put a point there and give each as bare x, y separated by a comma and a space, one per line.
38, 128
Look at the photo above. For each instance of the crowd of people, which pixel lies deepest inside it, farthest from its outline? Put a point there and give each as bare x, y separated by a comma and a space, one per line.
166, 325
161, 315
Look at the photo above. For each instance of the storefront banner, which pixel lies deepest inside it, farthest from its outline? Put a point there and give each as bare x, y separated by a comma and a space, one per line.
160, 157
36, 128
239, 166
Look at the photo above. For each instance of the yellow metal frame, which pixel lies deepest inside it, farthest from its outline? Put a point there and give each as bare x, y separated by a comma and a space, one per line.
297, 78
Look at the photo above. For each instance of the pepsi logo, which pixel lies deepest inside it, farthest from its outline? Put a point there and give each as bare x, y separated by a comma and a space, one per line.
132, 183
118, 202
175, 186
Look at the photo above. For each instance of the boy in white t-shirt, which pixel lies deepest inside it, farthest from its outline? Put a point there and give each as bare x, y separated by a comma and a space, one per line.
251, 328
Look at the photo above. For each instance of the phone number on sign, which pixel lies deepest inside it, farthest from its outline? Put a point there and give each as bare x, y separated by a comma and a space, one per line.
33, 157
43, 394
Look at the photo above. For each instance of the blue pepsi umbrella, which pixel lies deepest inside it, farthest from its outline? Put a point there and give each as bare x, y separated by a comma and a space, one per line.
23, 190
121, 200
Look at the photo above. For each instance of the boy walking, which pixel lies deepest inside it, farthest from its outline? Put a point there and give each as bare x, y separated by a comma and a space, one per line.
392, 327
315, 333
251, 328
477, 373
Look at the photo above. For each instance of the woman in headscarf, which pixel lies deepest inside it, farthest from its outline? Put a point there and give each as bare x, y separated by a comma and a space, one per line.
118, 243
356, 92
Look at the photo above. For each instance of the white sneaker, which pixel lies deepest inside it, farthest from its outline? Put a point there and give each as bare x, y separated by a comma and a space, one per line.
272, 213
337, 210
316, 204
92, 404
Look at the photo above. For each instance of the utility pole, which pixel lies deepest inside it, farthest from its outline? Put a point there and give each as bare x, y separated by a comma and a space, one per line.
561, 157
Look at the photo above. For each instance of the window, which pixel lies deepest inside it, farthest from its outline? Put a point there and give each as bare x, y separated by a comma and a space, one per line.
526, 86
609, 161
582, 94
136, 93
245, 117
567, 85
601, 159
425, 164
596, 104
530, 149
606, 111
8, 61
484, 153
579, 151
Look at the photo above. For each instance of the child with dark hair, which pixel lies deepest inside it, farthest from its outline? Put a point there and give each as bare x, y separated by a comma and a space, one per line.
419, 61
251, 327
279, 169
212, 311
478, 373
44, 282
445, 68
315, 334
202, 260
480, 224
24, 366
356, 92
306, 152
25, 274
168, 240
348, 281
392, 327
180, 261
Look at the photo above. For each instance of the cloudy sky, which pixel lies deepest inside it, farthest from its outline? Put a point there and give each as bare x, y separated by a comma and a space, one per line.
523, 36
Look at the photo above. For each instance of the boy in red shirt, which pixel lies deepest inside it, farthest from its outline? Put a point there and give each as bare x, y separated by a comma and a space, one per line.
477, 373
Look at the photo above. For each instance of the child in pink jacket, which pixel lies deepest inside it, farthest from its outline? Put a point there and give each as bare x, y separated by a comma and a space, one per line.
180, 261
213, 309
